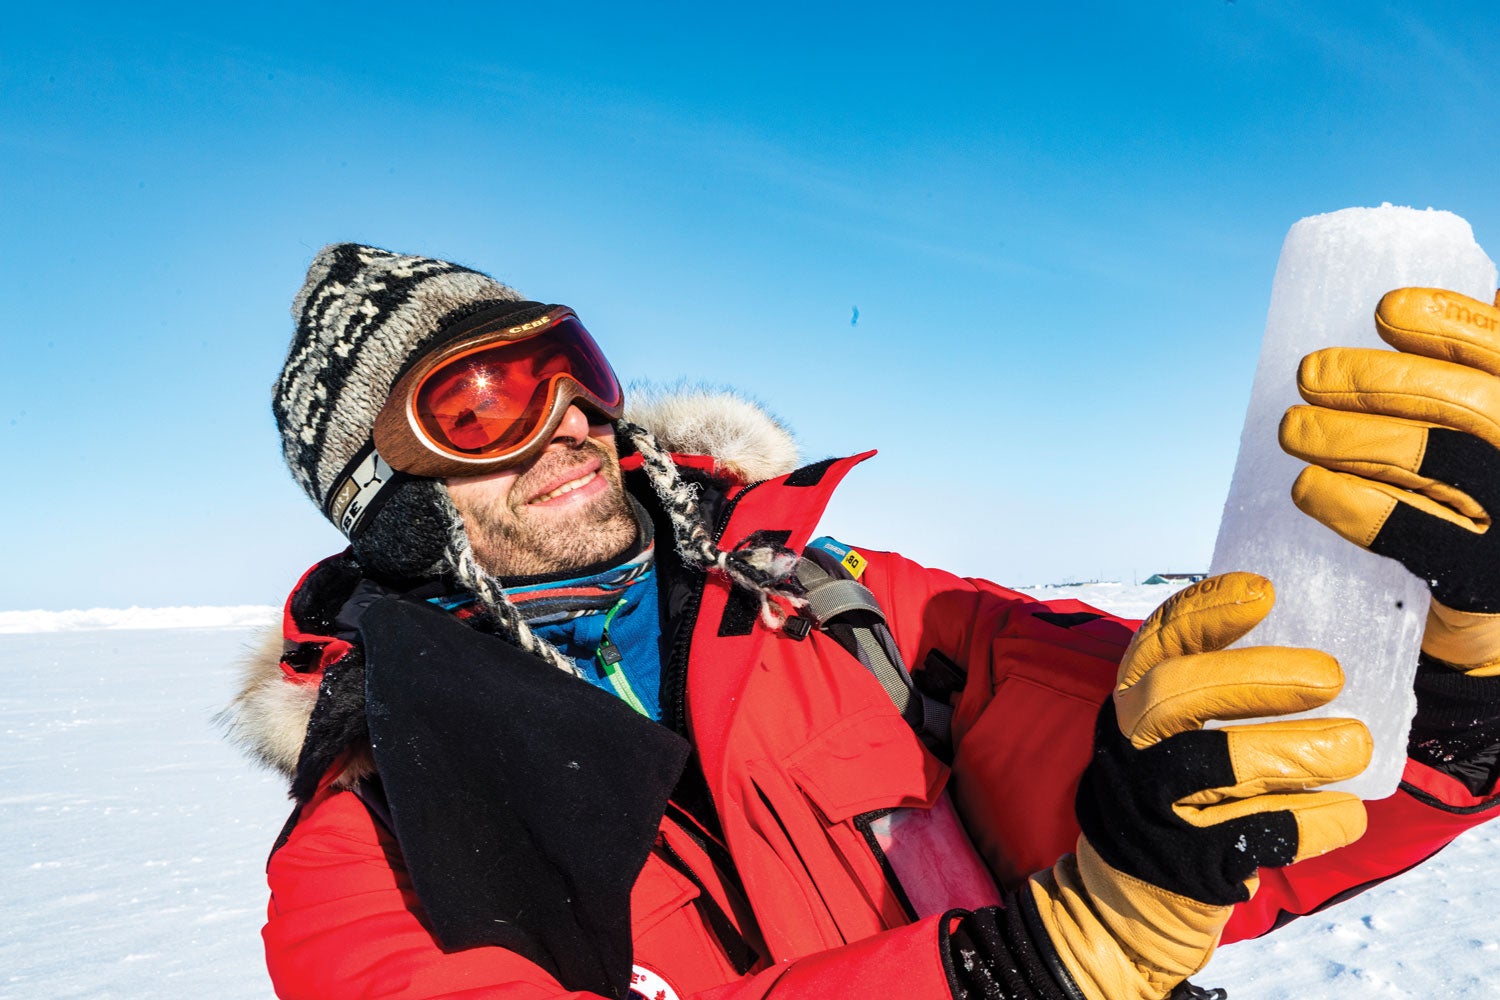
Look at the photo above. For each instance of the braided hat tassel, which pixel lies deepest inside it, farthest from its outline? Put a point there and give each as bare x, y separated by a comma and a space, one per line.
488, 590
756, 565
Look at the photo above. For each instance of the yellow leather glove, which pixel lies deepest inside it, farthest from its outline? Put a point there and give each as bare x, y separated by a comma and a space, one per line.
1404, 449
1177, 819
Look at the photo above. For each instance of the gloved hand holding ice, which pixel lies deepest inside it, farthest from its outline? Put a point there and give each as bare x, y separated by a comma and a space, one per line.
1366, 610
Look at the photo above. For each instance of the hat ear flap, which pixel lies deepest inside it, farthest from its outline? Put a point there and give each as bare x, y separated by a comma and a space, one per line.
408, 537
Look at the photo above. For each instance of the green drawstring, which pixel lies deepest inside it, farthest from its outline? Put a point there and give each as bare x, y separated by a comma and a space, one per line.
609, 657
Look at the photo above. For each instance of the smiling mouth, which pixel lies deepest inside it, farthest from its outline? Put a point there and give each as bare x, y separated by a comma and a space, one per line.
568, 487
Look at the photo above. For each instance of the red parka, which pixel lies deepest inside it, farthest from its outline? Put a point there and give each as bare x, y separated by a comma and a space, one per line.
803, 755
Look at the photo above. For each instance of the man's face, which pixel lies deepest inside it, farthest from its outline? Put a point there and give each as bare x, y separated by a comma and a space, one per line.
565, 509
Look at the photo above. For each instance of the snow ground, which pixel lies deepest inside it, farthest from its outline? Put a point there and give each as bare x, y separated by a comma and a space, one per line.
132, 839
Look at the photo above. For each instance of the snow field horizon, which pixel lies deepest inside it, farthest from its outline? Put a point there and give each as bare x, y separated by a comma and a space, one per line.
1128, 600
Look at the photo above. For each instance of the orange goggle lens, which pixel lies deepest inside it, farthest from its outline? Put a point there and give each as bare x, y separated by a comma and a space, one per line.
493, 397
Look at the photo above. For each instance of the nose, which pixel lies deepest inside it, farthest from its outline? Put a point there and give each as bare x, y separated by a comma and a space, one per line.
573, 428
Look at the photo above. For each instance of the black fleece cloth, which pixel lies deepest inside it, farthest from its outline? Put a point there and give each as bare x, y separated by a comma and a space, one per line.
334, 601
513, 837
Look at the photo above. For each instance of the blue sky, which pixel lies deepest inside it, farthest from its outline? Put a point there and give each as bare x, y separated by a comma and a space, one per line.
1058, 226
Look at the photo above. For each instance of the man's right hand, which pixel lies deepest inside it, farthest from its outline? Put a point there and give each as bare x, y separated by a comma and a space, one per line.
1177, 819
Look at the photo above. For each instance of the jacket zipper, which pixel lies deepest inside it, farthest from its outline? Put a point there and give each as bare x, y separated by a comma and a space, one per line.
736, 949
717, 853
678, 660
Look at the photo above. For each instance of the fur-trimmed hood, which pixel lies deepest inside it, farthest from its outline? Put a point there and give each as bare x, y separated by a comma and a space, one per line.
269, 717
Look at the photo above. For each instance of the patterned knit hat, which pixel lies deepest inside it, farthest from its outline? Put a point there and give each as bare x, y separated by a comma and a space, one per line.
363, 316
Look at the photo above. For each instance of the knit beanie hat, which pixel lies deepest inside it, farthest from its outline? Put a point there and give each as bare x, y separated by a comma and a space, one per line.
362, 317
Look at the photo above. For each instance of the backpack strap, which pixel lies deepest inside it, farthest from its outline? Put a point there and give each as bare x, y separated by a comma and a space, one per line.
844, 608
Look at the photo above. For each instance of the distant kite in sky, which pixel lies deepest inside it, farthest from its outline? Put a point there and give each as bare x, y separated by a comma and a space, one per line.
855, 318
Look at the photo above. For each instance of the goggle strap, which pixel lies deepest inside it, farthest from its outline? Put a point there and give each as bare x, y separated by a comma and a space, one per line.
463, 323
364, 486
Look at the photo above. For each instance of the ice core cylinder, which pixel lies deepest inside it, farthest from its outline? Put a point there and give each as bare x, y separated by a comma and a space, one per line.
1364, 609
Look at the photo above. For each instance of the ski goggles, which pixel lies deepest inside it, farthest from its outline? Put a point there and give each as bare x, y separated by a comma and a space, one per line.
493, 397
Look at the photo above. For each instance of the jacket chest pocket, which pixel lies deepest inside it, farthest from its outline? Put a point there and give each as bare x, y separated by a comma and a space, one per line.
816, 811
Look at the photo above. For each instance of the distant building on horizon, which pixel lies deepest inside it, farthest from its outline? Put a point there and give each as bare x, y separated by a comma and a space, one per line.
1175, 578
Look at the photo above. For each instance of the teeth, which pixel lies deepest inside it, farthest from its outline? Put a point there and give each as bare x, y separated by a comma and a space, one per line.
568, 487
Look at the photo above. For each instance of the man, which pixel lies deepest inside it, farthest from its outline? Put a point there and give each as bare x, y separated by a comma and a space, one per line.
570, 717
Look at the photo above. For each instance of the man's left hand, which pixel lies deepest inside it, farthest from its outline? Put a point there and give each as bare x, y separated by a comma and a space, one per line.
1404, 449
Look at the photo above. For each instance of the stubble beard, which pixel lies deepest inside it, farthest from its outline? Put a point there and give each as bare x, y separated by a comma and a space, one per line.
508, 541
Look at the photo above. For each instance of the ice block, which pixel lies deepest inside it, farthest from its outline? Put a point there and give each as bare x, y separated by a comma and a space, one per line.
1364, 609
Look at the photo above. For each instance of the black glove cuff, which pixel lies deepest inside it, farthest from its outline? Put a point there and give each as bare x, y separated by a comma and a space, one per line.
1457, 726
1004, 953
